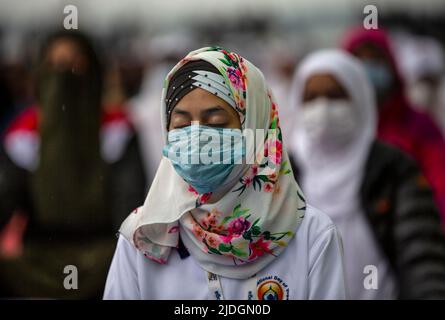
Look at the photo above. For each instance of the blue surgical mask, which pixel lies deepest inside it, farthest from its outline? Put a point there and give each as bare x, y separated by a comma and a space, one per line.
204, 156
380, 75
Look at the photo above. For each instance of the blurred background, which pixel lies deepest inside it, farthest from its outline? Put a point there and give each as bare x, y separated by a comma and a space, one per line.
137, 42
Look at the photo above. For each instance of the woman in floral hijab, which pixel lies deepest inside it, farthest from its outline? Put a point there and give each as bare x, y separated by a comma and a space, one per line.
242, 230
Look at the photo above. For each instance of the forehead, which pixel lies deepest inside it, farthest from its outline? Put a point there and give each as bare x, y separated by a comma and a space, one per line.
65, 50
199, 99
323, 80
63, 45
370, 50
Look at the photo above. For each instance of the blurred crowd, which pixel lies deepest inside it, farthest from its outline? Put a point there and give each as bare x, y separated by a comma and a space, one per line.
81, 140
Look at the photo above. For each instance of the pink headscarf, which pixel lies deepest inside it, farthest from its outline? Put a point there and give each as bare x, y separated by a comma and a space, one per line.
399, 124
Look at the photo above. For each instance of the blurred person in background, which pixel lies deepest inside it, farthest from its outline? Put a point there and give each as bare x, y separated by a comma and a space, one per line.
15, 76
123, 82
69, 174
6, 102
163, 53
280, 69
422, 62
373, 192
398, 122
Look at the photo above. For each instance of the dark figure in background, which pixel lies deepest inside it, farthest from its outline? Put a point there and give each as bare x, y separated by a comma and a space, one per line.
70, 173
6, 103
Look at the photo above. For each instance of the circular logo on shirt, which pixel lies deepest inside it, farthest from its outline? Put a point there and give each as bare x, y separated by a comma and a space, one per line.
272, 288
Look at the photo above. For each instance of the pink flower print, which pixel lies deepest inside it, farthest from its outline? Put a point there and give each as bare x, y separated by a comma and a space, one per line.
238, 226
205, 197
213, 241
274, 106
235, 78
192, 190
204, 222
226, 238
272, 177
232, 56
198, 232
241, 105
246, 180
268, 187
258, 248
212, 221
266, 149
155, 259
275, 150
173, 229
215, 212
217, 229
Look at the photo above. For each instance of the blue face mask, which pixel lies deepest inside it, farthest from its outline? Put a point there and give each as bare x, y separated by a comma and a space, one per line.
204, 156
380, 76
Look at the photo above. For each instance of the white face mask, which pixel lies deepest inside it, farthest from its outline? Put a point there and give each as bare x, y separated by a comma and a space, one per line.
329, 123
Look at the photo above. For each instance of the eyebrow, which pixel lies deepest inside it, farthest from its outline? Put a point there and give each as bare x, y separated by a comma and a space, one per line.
177, 110
215, 109
204, 113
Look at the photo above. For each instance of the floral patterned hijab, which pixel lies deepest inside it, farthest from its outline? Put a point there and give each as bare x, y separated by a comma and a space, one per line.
250, 224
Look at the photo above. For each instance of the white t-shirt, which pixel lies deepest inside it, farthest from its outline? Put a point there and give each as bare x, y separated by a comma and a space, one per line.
363, 256
311, 267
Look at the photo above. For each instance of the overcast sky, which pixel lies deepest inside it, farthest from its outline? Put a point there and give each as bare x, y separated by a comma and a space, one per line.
103, 13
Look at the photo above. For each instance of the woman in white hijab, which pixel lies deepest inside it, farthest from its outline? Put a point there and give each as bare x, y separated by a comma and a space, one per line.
374, 194
224, 231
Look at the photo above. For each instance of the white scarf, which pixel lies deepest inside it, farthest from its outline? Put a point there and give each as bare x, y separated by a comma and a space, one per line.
342, 171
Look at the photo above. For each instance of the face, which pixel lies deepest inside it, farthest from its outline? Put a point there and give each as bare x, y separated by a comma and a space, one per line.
323, 85
379, 69
65, 53
206, 108
330, 123
369, 51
